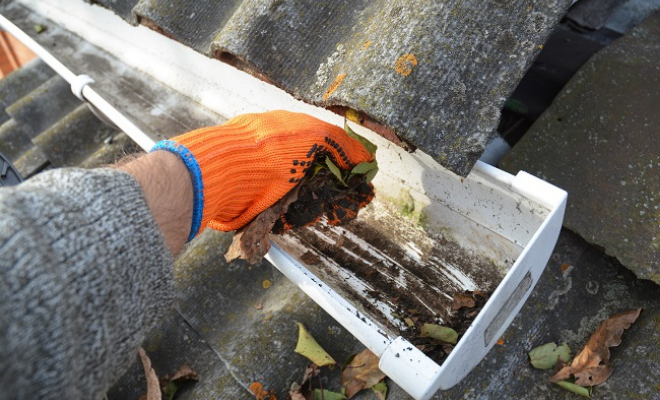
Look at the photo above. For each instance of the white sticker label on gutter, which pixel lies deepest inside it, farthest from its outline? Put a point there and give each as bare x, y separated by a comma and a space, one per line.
506, 310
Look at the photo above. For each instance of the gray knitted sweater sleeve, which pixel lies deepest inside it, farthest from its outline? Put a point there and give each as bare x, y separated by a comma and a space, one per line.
84, 274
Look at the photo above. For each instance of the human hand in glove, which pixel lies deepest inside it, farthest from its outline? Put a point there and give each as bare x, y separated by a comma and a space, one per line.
244, 166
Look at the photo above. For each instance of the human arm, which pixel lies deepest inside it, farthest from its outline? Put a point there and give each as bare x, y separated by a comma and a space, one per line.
84, 274
167, 189
86, 256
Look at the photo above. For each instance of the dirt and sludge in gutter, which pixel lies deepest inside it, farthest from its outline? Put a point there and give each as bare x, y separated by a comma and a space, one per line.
409, 282
396, 274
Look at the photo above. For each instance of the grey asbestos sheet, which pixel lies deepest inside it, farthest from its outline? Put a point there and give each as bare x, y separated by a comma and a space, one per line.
436, 73
599, 141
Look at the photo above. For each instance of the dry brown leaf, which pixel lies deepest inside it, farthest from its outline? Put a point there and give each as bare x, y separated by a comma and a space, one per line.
153, 385
251, 242
361, 373
462, 300
169, 384
311, 371
184, 373
592, 365
295, 393
304, 390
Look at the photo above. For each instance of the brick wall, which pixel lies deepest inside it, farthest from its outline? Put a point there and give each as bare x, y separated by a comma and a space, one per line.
13, 54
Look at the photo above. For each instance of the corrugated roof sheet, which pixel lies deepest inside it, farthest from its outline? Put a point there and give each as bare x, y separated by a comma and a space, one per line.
435, 73
48, 126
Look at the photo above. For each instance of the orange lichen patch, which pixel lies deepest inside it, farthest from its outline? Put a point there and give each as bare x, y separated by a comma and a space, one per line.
257, 390
564, 267
404, 65
334, 85
366, 45
500, 342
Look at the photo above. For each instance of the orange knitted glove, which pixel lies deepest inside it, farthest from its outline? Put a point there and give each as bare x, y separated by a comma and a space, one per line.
244, 166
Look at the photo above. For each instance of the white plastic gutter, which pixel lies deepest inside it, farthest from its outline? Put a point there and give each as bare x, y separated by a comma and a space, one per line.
80, 87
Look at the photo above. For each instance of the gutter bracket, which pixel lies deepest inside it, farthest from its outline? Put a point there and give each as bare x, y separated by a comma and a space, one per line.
78, 85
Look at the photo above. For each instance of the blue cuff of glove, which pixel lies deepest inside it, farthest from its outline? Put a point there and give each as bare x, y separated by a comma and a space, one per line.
195, 174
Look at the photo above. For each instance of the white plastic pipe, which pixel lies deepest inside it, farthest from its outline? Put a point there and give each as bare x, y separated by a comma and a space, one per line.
80, 87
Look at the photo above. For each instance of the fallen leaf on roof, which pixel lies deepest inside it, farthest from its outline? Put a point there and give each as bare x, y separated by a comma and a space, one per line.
380, 390
327, 395
309, 347
592, 365
361, 373
153, 386
311, 371
304, 390
547, 355
295, 392
251, 242
438, 332
582, 391
170, 384
266, 284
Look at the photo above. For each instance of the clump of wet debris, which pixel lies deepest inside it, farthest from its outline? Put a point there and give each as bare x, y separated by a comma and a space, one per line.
434, 338
325, 192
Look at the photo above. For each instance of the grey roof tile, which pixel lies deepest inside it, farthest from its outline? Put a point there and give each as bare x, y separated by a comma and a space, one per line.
171, 344
14, 140
43, 106
436, 73
4, 117
193, 23
31, 162
599, 141
22, 81
593, 14
73, 138
45, 112
114, 149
